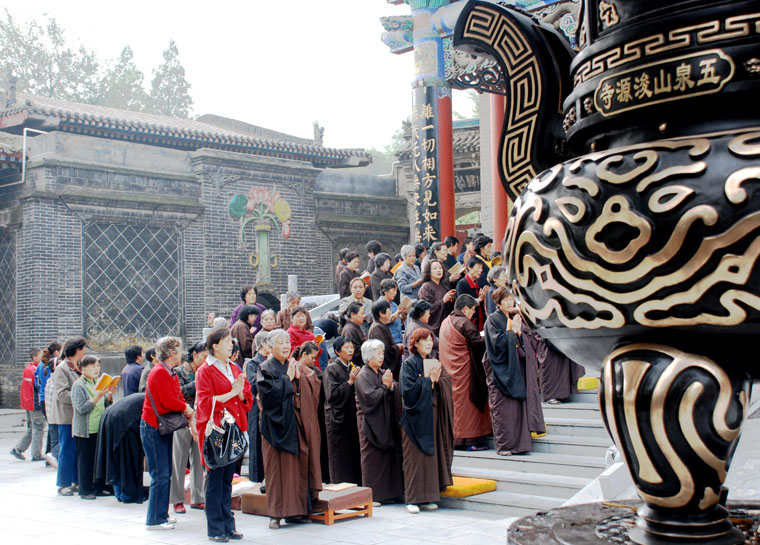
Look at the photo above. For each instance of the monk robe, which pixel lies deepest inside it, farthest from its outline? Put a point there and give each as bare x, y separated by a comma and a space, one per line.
354, 333
340, 423
527, 349
505, 376
119, 453
378, 412
460, 349
392, 358
427, 438
559, 374
433, 293
290, 437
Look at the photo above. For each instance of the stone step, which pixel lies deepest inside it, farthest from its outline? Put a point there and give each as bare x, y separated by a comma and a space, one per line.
533, 462
517, 482
570, 445
585, 396
503, 503
576, 427
572, 410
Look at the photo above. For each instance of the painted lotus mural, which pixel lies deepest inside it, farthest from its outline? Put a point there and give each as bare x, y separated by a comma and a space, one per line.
264, 208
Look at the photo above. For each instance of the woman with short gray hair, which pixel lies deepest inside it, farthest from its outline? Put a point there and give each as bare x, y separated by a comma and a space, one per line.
377, 413
497, 278
408, 275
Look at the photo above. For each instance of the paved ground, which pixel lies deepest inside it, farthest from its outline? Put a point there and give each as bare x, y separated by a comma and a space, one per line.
33, 513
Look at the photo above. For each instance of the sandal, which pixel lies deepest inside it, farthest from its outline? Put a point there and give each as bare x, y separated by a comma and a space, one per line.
554, 402
504, 453
65, 491
476, 448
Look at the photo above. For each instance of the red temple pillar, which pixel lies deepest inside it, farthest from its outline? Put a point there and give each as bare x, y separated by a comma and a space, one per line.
446, 167
499, 196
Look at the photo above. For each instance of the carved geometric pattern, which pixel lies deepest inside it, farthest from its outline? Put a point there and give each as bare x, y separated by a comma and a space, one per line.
131, 284
523, 98
8, 299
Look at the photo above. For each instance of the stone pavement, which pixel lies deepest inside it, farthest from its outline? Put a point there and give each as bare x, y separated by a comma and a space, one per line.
33, 514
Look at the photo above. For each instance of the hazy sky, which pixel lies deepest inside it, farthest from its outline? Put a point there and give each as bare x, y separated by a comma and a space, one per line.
275, 63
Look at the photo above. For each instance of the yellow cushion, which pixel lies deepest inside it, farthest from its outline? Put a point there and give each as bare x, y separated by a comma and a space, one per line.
588, 383
468, 486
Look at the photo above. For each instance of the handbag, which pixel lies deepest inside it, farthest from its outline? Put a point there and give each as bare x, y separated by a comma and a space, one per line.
223, 444
167, 422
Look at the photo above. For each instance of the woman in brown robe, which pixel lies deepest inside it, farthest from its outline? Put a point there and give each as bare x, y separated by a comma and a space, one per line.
288, 398
461, 352
527, 349
352, 330
378, 403
340, 415
505, 376
559, 374
426, 424
435, 290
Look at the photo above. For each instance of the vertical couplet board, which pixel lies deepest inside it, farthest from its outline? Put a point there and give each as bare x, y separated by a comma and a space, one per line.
425, 165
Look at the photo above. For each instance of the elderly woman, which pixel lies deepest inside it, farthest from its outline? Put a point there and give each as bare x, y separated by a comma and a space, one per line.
89, 405
408, 275
340, 414
162, 395
348, 274
497, 278
378, 410
283, 317
436, 291
352, 329
251, 367
268, 320
382, 318
64, 377
358, 289
419, 317
426, 423
220, 386
382, 272
307, 356
288, 399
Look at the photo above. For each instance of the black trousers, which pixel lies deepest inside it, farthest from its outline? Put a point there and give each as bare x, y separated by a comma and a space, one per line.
219, 517
86, 451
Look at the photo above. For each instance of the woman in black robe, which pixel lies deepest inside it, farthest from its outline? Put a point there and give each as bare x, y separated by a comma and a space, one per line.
378, 410
352, 330
505, 377
428, 435
120, 454
419, 317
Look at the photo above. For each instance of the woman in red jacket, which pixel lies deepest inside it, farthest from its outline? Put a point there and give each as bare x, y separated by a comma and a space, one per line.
298, 331
163, 389
227, 383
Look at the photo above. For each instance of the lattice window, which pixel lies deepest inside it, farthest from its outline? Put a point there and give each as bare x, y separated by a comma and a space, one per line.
131, 284
8, 300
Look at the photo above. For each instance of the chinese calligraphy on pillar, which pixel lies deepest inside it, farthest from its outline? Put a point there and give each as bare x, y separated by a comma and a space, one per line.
427, 223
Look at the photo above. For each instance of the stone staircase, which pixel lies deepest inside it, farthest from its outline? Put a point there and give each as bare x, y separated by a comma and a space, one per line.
568, 458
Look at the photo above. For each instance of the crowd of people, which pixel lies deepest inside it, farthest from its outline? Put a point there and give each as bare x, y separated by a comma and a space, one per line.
427, 354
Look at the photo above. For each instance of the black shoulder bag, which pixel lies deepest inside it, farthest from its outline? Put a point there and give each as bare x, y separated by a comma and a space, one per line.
225, 444
168, 422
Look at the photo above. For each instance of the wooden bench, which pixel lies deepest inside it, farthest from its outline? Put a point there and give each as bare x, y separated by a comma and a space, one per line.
351, 502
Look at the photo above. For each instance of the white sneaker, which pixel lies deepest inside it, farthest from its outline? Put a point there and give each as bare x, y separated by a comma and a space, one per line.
51, 460
165, 526
171, 520
429, 506
413, 509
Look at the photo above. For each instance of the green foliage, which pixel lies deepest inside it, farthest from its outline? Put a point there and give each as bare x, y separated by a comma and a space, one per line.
37, 54
122, 85
237, 205
45, 64
170, 91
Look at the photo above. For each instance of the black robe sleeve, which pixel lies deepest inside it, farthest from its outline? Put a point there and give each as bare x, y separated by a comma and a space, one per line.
376, 403
501, 351
417, 394
278, 417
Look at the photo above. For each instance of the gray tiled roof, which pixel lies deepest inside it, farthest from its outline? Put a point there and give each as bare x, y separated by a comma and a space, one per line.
167, 131
466, 140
